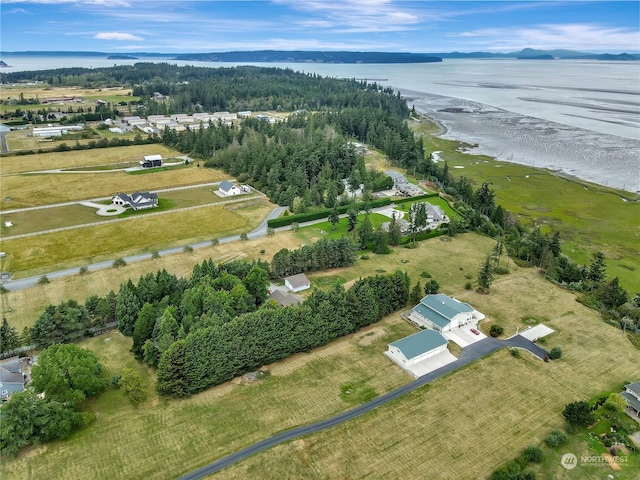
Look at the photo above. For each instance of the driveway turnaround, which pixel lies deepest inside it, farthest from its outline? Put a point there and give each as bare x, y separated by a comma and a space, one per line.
469, 354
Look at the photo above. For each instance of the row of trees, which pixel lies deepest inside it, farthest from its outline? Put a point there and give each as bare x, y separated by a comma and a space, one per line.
217, 353
320, 255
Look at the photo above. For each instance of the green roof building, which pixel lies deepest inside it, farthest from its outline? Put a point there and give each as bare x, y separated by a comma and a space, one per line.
417, 347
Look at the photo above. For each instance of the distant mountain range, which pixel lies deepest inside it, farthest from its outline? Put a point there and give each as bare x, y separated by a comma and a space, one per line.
300, 56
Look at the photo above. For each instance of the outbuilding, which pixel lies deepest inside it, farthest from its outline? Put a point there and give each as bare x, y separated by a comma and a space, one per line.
417, 347
297, 283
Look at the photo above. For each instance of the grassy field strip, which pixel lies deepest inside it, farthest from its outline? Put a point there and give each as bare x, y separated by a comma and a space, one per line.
133, 217
95, 243
163, 190
459, 427
45, 189
466, 424
83, 158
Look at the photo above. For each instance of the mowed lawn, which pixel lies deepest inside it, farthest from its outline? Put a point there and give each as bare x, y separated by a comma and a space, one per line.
28, 304
44, 189
164, 438
467, 424
83, 158
43, 253
459, 427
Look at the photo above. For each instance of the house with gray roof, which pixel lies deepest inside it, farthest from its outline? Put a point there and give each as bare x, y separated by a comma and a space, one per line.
297, 283
137, 200
12, 379
631, 395
442, 313
228, 189
285, 298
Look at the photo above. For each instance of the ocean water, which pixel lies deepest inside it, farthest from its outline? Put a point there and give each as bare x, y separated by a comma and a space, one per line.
578, 117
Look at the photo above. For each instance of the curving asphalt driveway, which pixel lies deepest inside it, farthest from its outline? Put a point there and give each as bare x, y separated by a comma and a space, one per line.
468, 355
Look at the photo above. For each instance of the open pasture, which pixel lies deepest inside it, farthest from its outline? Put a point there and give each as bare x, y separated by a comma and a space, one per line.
48, 188
458, 427
82, 158
468, 423
43, 253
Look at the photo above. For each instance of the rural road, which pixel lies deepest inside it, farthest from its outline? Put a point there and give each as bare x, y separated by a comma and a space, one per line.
28, 282
468, 355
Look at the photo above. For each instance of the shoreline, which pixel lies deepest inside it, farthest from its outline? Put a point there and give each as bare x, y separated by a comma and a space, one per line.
504, 136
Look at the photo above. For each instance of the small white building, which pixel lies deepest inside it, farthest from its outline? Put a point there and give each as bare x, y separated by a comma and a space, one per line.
244, 114
137, 200
417, 347
228, 189
297, 283
55, 131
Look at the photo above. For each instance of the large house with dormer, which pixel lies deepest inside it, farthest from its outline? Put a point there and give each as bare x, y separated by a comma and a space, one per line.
442, 313
136, 201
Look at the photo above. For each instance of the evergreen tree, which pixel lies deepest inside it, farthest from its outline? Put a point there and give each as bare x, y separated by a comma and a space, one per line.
395, 233
597, 270
365, 232
9, 338
352, 219
334, 217
416, 294
485, 276
431, 287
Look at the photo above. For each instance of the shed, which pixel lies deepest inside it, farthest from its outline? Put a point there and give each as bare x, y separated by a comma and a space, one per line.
297, 283
417, 347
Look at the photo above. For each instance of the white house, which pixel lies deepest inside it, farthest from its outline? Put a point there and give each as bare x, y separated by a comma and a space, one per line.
229, 189
297, 283
12, 379
136, 201
417, 347
442, 313
631, 395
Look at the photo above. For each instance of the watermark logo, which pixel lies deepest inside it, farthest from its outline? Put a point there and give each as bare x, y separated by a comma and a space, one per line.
569, 461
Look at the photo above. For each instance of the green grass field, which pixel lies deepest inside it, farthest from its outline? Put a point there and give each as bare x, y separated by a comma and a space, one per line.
44, 253
459, 427
589, 217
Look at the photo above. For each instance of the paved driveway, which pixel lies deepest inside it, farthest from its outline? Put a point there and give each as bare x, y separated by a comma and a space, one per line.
463, 336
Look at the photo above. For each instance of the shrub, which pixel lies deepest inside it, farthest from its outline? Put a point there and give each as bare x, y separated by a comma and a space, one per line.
555, 438
243, 236
533, 454
215, 242
501, 271
119, 262
155, 255
555, 353
514, 352
364, 257
496, 331
83, 270
468, 286
188, 249
43, 280
425, 275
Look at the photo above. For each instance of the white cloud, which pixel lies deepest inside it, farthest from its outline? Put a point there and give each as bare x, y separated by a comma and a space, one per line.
577, 36
120, 36
19, 10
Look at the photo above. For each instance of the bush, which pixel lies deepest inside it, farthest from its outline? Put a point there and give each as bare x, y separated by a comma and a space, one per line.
243, 236
496, 331
119, 262
555, 353
188, 249
501, 271
215, 242
155, 255
468, 286
43, 280
364, 257
425, 275
555, 438
83, 270
533, 454
514, 352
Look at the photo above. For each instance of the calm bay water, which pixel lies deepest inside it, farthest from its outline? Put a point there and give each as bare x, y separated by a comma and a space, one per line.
578, 117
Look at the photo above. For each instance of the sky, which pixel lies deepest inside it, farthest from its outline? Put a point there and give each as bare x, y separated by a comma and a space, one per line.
172, 26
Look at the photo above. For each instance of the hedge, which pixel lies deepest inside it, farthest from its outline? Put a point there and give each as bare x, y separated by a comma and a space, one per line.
413, 199
422, 236
324, 213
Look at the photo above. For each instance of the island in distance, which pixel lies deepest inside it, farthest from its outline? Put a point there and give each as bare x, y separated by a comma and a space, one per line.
121, 57
300, 56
